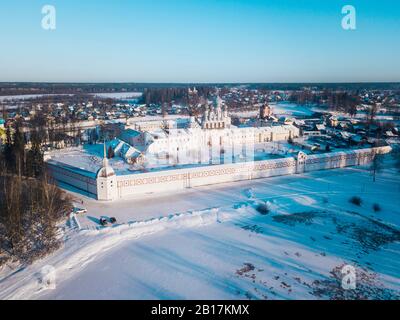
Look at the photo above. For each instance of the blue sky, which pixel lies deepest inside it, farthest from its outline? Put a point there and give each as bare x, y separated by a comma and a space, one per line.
200, 41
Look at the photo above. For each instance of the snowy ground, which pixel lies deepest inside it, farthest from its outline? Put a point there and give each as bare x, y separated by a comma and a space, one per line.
118, 95
282, 109
292, 109
221, 247
28, 96
288, 109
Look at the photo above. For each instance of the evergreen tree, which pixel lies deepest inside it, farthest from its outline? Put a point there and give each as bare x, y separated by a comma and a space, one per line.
18, 150
34, 159
8, 152
376, 165
328, 148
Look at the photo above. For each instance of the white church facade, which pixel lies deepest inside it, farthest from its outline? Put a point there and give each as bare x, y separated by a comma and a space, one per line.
197, 140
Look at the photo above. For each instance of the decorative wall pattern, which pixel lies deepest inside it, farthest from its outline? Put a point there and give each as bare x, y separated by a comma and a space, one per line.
198, 176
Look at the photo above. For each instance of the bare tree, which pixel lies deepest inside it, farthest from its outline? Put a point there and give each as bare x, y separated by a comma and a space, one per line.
376, 164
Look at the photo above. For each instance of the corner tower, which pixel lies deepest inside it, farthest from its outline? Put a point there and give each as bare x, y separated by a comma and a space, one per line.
106, 181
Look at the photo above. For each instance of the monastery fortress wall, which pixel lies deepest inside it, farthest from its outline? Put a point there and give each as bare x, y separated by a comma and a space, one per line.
107, 186
69, 177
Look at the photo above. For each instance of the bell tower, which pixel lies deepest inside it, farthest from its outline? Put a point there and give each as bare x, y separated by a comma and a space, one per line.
216, 117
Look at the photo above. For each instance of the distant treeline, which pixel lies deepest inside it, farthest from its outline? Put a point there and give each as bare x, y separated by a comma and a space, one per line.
338, 101
175, 94
328, 86
20, 88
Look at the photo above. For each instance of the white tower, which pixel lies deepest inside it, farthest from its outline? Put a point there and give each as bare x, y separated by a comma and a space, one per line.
301, 162
216, 117
106, 181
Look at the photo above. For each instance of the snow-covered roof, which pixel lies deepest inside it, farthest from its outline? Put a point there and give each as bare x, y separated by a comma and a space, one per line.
114, 143
105, 172
345, 134
158, 134
131, 133
300, 122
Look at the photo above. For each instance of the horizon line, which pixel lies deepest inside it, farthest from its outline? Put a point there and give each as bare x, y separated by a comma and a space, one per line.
193, 83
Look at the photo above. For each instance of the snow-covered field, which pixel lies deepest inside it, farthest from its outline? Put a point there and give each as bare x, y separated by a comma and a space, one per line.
282, 109
118, 95
292, 109
30, 96
213, 243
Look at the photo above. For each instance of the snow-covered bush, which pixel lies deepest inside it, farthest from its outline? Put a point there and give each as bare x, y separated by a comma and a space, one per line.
376, 207
356, 200
262, 208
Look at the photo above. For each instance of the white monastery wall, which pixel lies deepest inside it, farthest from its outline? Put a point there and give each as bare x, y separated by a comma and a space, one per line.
170, 180
68, 175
